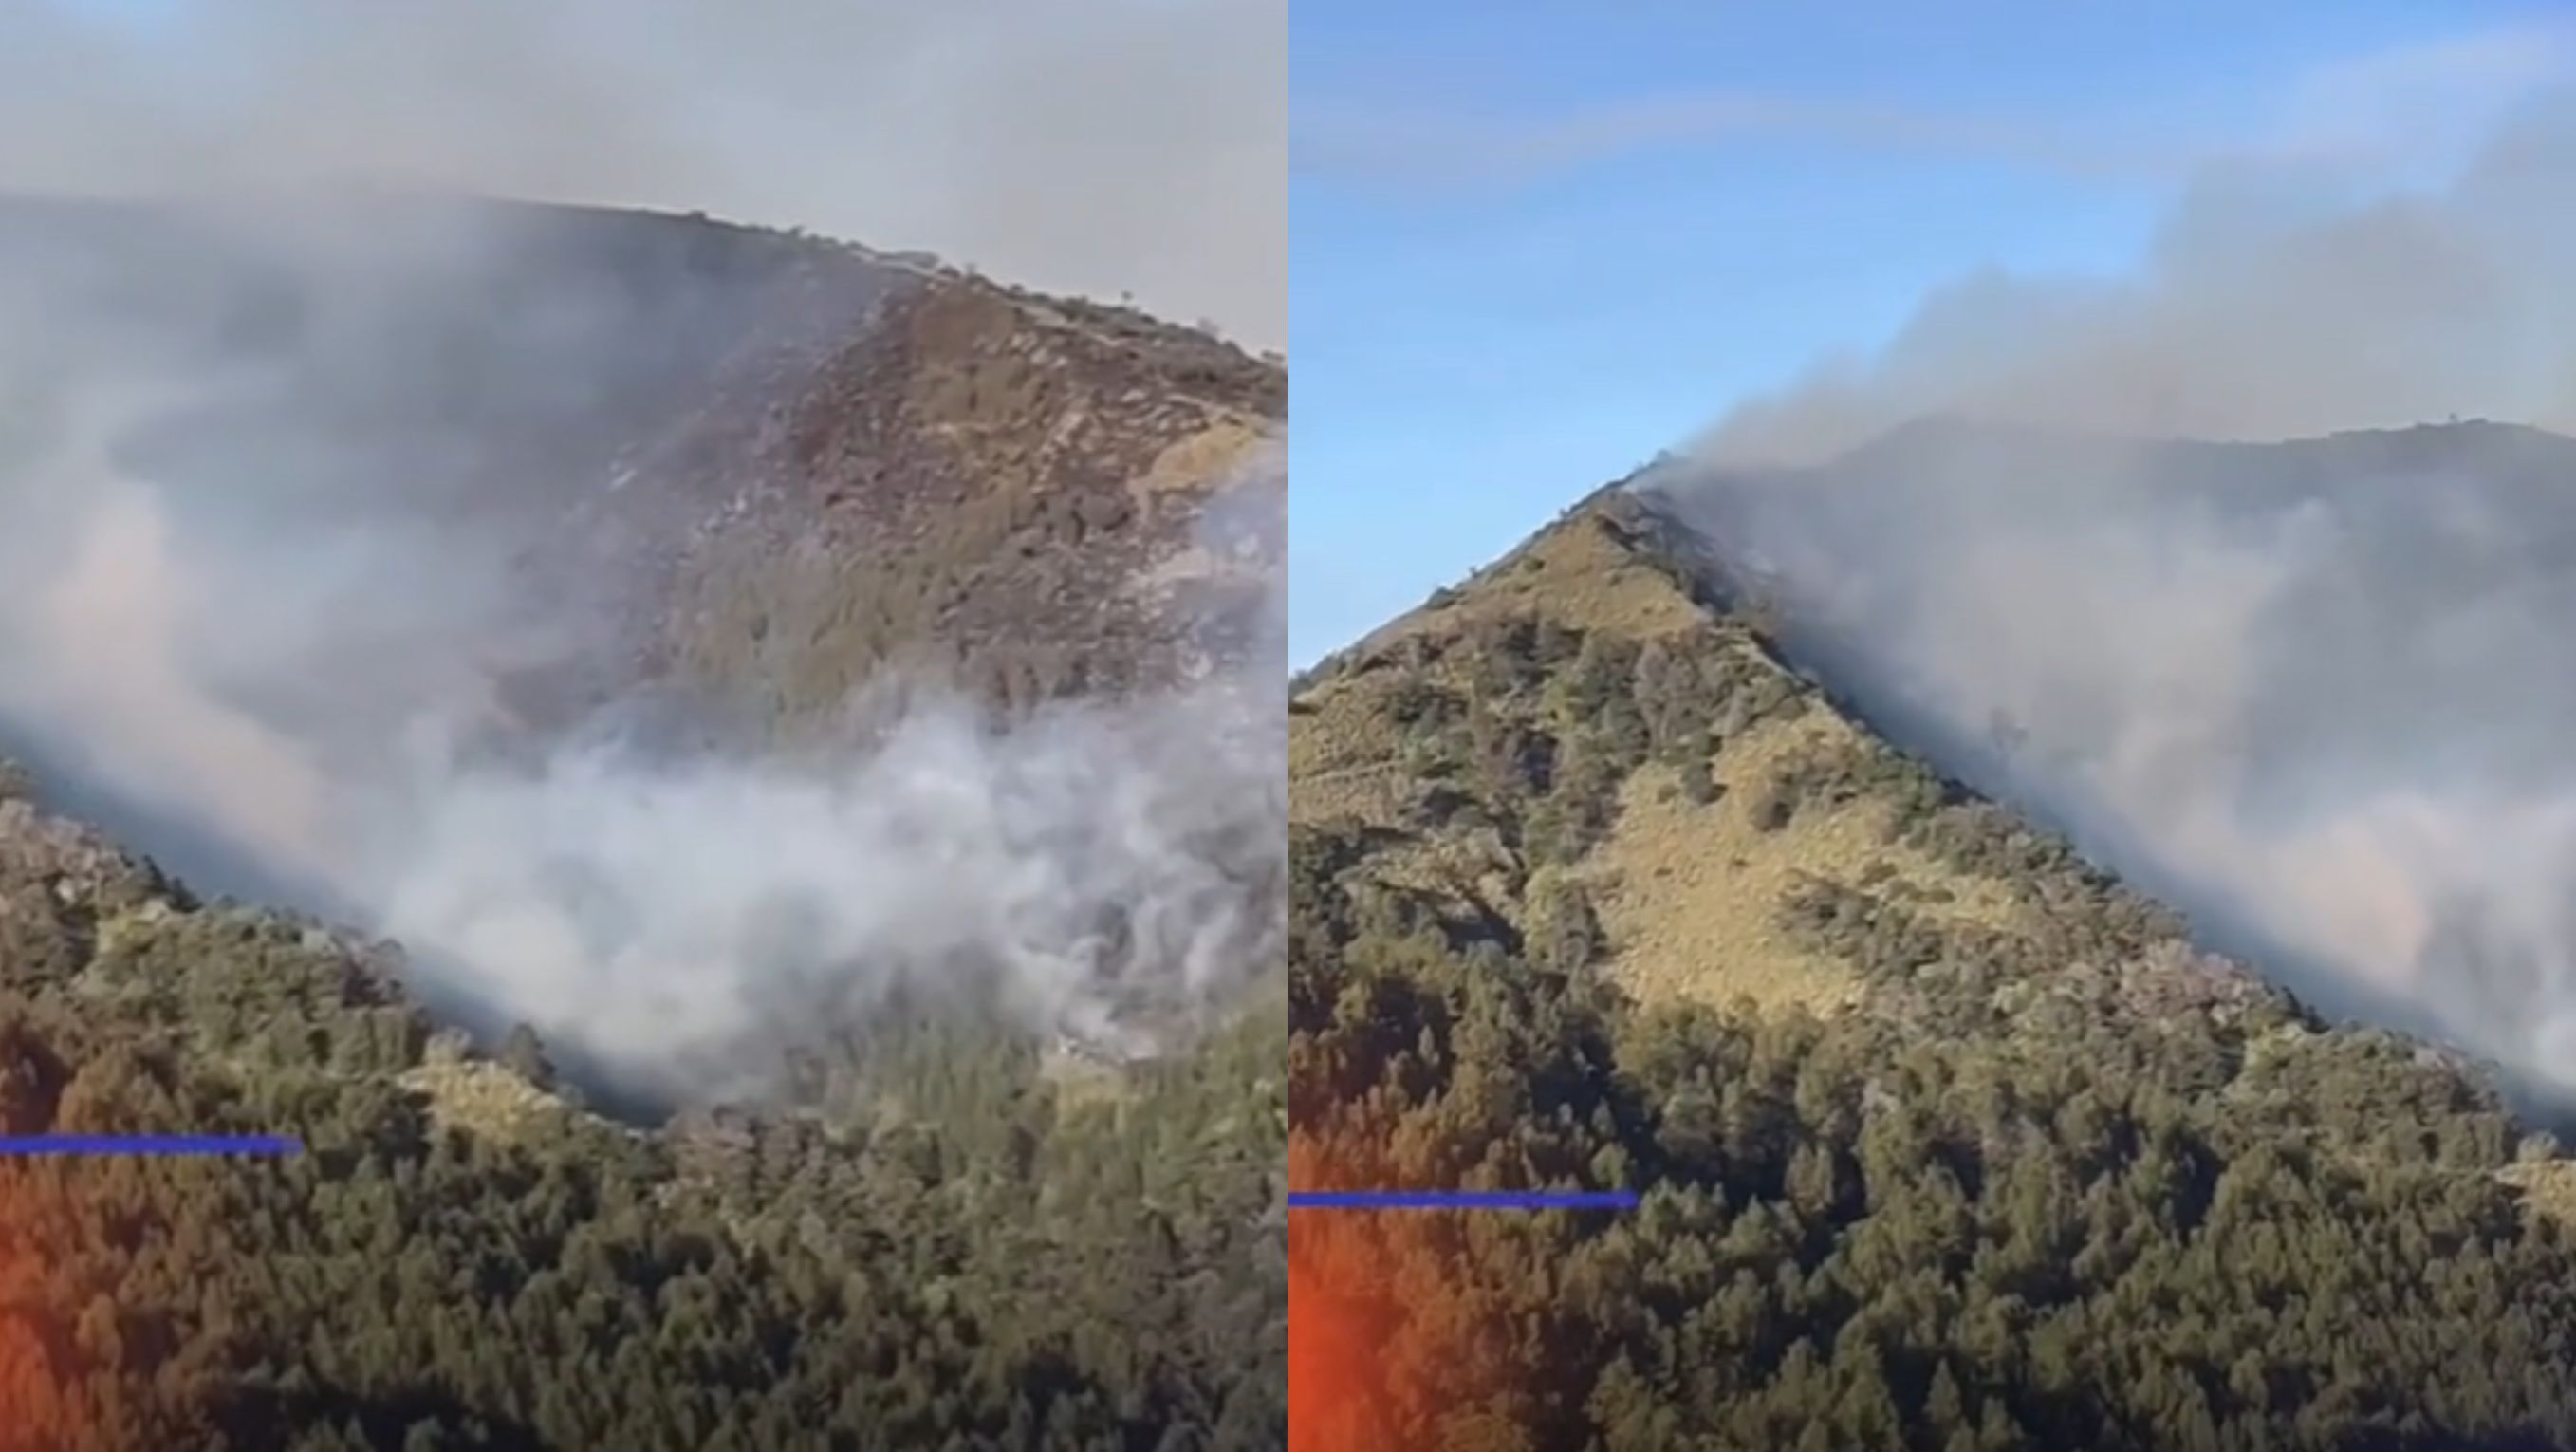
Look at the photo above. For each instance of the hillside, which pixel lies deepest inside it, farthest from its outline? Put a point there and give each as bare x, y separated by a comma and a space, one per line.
2308, 691
764, 457
541, 478
1947, 1139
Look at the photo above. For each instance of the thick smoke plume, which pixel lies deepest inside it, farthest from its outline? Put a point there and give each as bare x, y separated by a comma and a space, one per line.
1098, 146
307, 503
2279, 301
1099, 870
2316, 693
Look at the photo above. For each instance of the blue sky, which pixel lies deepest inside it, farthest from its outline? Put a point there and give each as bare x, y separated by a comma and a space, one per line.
1533, 243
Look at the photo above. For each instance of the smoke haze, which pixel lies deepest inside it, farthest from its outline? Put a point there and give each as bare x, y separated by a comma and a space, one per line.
2279, 301
2316, 693
300, 492
1097, 146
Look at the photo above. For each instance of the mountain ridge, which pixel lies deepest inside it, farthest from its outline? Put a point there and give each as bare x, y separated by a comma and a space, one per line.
552, 477
1938, 1127
1646, 563
828, 387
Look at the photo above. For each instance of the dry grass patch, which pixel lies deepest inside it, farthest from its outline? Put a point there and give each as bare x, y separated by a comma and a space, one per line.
1192, 462
482, 1096
1589, 581
1690, 894
1462, 867
2548, 1187
1375, 795
1344, 757
1575, 574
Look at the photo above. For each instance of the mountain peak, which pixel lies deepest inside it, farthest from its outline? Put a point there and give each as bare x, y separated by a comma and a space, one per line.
1594, 888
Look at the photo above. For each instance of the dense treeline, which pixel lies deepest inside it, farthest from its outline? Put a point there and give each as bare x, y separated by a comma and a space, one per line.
2063, 1184
972, 1244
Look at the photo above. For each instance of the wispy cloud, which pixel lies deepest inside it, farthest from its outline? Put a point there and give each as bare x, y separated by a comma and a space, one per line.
2390, 106
2367, 111
1385, 144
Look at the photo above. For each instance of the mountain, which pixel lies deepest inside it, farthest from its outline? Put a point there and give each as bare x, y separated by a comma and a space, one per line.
2307, 691
764, 457
616, 552
1607, 871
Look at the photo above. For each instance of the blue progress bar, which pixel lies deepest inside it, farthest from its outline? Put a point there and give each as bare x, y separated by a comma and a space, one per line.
1461, 1200
149, 1144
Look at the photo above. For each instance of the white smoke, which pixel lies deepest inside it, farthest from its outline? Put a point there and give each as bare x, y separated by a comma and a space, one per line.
271, 468
2316, 694
2278, 302
269, 479
2313, 693
665, 910
1096, 146
669, 918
